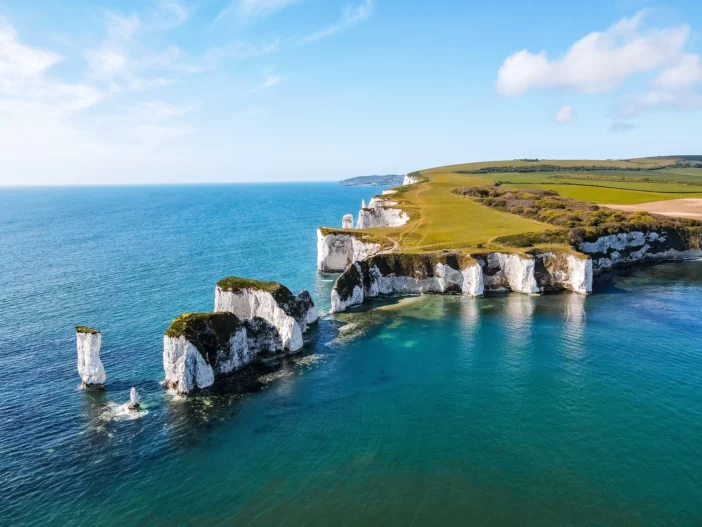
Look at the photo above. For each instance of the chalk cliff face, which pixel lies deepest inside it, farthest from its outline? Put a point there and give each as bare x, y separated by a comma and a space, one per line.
335, 251
452, 272
381, 215
409, 180
347, 221
554, 271
270, 301
510, 272
90, 368
625, 248
406, 275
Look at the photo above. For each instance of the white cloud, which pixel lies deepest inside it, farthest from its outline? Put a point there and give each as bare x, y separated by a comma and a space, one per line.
675, 88
19, 62
598, 62
564, 115
271, 80
351, 17
682, 75
26, 88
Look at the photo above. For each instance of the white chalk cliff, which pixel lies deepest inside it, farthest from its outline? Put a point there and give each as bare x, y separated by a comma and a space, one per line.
626, 248
90, 368
511, 272
383, 275
347, 221
335, 251
409, 180
381, 214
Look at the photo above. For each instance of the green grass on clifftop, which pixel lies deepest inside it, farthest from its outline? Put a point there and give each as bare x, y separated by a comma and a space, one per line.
86, 329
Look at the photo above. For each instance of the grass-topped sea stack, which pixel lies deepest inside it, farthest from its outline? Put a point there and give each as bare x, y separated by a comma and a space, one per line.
272, 302
253, 320
90, 368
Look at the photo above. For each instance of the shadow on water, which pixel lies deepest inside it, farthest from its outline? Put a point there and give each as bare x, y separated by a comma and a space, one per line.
617, 281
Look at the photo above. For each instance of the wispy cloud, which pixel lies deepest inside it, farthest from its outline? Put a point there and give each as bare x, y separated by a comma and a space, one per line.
246, 10
271, 80
351, 17
240, 50
622, 126
564, 115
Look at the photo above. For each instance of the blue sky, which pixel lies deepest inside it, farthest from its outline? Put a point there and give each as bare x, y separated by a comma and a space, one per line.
103, 92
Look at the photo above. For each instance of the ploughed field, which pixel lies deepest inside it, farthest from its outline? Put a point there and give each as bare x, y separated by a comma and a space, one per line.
446, 212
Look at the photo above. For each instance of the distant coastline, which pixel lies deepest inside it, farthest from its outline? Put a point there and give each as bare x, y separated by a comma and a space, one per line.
372, 181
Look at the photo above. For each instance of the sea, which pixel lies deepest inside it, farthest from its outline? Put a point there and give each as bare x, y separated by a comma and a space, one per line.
437, 410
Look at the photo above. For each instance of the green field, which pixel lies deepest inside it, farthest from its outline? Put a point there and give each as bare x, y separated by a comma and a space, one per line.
441, 218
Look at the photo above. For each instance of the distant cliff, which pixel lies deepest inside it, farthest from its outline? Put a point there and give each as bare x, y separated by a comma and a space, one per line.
372, 181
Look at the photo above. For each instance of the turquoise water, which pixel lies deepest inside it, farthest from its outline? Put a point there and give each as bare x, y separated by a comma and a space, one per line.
554, 410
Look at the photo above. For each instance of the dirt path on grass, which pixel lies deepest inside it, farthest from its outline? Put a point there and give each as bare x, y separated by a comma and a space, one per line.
679, 208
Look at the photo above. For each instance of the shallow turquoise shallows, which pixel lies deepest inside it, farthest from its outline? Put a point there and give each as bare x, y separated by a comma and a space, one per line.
506, 410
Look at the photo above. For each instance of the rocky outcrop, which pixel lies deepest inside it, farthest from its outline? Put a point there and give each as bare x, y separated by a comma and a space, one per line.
615, 250
456, 273
134, 401
409, 179
90, 368
270, 301
336, 250
347, 221
200, 347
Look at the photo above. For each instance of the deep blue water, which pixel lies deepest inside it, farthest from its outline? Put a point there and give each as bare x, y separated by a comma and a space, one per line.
554, 410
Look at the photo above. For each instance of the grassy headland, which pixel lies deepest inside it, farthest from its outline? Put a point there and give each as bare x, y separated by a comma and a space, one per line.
441, 217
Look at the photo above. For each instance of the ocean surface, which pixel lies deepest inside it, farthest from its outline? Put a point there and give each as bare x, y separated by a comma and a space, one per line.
506, 410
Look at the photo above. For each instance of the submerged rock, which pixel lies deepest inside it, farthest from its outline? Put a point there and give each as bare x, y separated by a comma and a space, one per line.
271, 301
133, 400
90, 368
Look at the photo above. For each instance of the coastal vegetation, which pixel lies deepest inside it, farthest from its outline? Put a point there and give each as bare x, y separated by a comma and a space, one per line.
208, 332
86, 329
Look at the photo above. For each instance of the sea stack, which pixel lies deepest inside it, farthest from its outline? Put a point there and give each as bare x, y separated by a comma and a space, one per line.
133, 400
90, 368
271, 301
347, 221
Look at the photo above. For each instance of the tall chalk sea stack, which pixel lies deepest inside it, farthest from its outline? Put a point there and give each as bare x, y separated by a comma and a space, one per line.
90, 368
